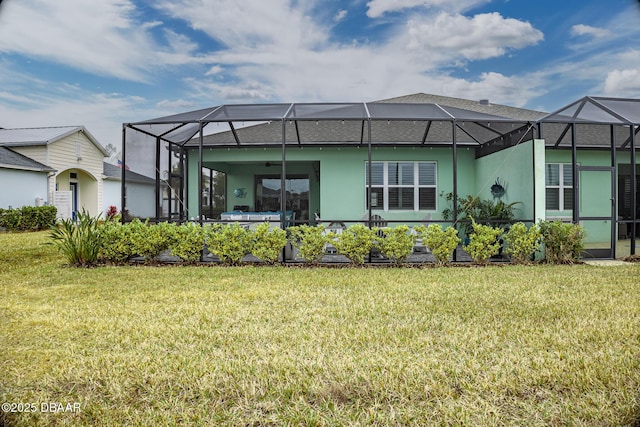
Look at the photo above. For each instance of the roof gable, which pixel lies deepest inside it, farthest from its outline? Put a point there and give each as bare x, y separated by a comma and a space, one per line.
23, 137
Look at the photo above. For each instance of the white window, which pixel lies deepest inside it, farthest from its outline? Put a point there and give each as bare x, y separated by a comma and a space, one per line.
402, 185
559, 186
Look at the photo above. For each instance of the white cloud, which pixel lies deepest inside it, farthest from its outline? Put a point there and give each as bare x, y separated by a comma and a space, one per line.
101, 36
31, 102
377, 8
482, 36
216, 69
340, 15
498, 88
252, 24
623, 83
178, 104
587, 30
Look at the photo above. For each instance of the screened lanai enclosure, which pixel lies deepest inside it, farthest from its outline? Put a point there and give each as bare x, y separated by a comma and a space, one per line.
591, 145
384, 163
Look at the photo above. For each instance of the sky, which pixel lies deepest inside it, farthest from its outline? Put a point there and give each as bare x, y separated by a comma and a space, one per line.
101, 63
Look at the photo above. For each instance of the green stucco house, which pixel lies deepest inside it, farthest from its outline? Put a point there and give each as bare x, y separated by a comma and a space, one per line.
399, 160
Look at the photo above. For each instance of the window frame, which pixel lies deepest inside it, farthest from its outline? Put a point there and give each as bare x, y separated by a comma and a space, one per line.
416, 186
561, 187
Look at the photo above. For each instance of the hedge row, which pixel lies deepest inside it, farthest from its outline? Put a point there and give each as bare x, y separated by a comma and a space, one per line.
28, 218
90, 240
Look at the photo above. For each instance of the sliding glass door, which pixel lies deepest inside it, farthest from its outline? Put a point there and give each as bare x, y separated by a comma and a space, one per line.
268, 193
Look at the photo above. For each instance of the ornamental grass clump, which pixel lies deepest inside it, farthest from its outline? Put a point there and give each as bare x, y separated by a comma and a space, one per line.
268, 243
484, 242
230, 242
355, 242
78, 240
441, 242
397, 243
309, 240
522, 243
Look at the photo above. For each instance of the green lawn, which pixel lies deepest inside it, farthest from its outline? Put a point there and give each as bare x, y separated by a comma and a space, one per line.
534, 346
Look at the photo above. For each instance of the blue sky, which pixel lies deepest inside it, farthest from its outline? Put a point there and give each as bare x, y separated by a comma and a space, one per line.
100, 63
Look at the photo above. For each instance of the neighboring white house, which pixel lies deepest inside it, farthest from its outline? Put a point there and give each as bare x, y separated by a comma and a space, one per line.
74, 162
141, 191
24, 181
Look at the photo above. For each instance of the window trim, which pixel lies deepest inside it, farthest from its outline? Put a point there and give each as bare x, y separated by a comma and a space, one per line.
416, 186
561, 185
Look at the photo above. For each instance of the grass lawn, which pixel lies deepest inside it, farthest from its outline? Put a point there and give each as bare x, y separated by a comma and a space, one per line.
534, 346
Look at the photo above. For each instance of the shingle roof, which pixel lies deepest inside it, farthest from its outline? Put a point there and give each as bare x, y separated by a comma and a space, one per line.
13, 160
114, 172
471, 105
396, 131
21, 137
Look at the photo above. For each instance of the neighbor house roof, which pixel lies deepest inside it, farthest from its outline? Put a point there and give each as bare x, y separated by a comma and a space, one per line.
23, 137
114, 172
11, 160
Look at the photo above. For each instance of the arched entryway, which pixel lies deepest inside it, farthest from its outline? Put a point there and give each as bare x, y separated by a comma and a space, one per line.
75, 190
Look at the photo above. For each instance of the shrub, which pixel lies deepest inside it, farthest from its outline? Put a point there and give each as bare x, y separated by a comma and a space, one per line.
441, 242
355, 242
563, 243
79, 240
149, 241
28, 218
47, 217
521, 243
10, 219
188, 242
268, 244
36, 218
230, 243
483, 242
397, 243
116, 241
309, 240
